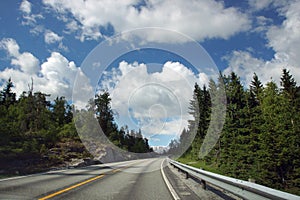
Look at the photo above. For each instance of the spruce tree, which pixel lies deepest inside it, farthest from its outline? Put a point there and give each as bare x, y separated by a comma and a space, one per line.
104, 113
7, 97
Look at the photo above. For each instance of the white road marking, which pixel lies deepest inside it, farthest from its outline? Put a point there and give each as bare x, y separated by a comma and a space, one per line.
171, 189
31, 175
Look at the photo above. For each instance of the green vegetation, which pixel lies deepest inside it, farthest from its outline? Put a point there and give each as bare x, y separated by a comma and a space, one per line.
37, 134
261, 135
201, 164
132, 141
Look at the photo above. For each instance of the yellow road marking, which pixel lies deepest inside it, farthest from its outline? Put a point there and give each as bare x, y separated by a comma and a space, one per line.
116, 170
70, 188
81, 183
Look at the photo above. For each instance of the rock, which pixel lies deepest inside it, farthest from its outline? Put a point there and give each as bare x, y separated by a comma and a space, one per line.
75, 162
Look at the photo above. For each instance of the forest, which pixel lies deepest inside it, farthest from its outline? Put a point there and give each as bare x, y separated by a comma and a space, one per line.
260, 139
38, 134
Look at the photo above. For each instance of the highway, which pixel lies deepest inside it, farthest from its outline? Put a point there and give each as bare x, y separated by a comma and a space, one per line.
137, 179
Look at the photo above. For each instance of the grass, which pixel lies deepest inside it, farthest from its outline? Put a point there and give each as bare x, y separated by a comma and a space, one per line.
200, 164
212, 168
2, 176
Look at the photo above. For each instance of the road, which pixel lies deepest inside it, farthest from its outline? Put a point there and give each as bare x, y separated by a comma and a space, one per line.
137, 179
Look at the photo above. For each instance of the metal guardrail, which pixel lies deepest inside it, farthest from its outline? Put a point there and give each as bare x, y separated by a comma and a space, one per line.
243, 189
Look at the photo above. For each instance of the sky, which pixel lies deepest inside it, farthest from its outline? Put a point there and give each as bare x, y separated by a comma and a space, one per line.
52, 41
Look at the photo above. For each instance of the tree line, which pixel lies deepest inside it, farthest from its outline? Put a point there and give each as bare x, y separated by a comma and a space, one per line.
260, 138
129, 140
38, 133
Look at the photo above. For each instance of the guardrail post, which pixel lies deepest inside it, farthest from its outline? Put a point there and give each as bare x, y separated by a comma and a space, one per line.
251, 180
203, 183
186, 175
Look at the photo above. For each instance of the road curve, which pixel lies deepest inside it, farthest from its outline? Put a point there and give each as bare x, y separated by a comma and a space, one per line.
137, 179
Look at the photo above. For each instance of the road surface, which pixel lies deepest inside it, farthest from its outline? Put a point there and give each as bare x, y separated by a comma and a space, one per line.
138, 179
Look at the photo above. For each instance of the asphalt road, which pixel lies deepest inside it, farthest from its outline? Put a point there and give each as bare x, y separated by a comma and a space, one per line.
137, 179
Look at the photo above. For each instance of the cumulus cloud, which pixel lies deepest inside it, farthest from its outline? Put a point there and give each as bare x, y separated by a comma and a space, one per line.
156, 102
59, 73
27, 62
55, 76
245, 65
198, 19
284, 39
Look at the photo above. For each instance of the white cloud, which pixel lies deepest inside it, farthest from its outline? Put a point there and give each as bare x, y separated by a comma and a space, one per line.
11, 46
258, 5
28, 17
51, 37
72, 26
25, 7
37, 29
284, 39
27, 62
59, 73
55, 76
245, 65
155, 102
198, 19
263, 24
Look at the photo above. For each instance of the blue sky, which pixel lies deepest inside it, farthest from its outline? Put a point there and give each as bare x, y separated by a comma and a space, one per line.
49, 40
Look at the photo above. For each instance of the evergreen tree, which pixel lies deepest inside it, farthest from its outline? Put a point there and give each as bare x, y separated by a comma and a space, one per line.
232, 138
290, 94
289, 85
7, 97
255, 121
260, 138
193, 124
104, 113
59, 110
132, 141
212, 142
274, 140
255, 91
7, 114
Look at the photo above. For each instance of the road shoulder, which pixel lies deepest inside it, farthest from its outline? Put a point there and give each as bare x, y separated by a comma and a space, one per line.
191, 189
182, 190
